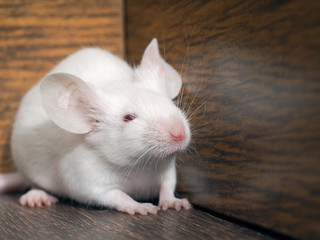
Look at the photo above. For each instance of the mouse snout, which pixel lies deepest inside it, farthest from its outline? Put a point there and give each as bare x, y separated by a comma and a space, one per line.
176, 129
170, 135
177, 133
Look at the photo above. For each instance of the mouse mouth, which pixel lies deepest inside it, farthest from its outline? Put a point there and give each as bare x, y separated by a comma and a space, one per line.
169, 151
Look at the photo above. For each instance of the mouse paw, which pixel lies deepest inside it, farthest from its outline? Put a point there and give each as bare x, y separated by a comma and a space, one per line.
121, 201
174, 203
37, 198
140, 208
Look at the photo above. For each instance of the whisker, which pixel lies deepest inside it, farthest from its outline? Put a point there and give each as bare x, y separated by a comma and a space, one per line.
195, 96
180, 96
195, 129
193, 151
128, 172
183, 95
147, 160
190, 117
193, 120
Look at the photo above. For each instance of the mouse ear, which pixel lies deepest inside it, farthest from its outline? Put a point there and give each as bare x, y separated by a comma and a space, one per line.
68, 100
156, 74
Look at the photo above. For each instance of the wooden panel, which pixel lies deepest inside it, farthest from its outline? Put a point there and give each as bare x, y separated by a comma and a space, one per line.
36, 35
65, 221
256, 65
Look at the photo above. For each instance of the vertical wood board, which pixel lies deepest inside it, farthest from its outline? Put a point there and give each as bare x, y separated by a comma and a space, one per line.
252, 74
36, 35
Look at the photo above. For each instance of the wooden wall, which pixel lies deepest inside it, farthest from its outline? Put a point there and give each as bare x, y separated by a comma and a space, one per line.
36, 35
256, 68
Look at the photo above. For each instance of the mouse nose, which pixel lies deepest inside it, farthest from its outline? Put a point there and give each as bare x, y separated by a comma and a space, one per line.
177, 136
176, 129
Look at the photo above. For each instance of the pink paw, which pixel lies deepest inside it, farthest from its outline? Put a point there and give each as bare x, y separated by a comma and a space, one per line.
37, 198
174, 203
139, 208
124, 203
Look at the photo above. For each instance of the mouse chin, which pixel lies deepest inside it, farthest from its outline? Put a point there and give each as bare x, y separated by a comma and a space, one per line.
167, 150
173, 150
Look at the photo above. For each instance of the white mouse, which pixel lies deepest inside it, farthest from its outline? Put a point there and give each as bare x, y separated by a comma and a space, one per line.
100, 132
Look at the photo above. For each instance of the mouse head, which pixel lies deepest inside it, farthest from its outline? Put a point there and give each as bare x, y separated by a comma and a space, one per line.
128, 121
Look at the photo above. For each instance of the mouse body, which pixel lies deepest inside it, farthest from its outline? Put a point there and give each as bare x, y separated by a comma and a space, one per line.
100, 132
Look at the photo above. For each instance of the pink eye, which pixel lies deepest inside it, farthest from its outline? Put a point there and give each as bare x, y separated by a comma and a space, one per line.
129, 117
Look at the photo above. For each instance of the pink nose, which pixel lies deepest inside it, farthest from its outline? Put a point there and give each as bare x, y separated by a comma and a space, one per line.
178, 136
176, 129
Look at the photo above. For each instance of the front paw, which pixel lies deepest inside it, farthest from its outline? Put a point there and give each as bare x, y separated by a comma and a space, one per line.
121, 201
139, 208
174, 203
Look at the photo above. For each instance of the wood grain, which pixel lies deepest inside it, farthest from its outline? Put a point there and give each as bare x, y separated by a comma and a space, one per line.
36, 35
252, 74
64, 221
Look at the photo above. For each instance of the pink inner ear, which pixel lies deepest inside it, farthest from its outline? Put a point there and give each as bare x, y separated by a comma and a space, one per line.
156, 74
62, 97
65, 96
151, 56
173, 81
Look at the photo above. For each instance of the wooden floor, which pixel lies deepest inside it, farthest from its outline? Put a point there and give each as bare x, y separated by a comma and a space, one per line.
70, 221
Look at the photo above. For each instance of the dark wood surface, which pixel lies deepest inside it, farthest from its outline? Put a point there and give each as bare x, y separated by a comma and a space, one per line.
256, 68
36, 35
67, 221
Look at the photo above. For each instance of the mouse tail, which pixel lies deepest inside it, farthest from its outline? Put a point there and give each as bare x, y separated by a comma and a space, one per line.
13, 181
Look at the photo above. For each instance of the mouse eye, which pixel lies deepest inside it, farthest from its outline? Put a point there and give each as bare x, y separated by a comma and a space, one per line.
129, 117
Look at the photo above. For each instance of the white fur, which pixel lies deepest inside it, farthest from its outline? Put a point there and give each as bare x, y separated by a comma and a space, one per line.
75, 143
